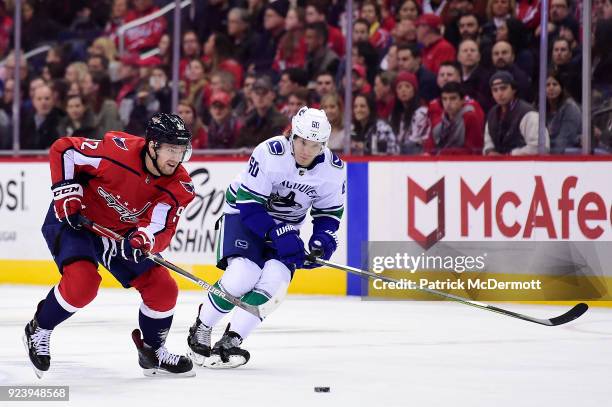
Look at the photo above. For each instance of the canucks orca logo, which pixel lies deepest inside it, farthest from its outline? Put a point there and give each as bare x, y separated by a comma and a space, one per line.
120, 141
278, 203
188, 187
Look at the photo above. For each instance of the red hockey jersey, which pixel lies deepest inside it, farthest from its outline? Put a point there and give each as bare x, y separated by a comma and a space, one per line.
118, 192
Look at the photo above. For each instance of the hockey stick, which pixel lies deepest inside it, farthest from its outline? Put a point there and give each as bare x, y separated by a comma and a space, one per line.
575, 312
260, 311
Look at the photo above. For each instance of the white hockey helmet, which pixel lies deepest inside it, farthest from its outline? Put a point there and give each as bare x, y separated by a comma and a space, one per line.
311, 124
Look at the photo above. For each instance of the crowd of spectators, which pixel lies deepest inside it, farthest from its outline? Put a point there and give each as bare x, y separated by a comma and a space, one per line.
428, 76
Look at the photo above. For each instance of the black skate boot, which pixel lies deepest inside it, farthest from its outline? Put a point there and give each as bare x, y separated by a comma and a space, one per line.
199, 341
36, 342
227, 353
160, 362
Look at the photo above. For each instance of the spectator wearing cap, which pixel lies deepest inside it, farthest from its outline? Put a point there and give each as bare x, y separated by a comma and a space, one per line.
319, 58
451, 72
146, 36
274, 25
436, 49
265, 121
384, 94
378, 36
512, 124
460, 130
409, 119
244, 39
359, 80
563, 116
291, 52
316, 12
369, 134
569, 72
186, 110
502, 56
224, 127
39, 128
409, 59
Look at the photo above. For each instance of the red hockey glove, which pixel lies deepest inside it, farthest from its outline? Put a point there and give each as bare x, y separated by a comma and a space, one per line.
139, 244
67, 197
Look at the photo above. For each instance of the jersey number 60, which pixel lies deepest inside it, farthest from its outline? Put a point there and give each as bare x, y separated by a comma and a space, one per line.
253, 167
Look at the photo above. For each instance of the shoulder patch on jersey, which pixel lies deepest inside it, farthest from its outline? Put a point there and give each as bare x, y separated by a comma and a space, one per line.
120, 142
336, 161
188, 186
276, 147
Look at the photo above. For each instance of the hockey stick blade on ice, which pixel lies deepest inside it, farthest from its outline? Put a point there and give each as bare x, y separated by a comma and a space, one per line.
575, 312
260, 311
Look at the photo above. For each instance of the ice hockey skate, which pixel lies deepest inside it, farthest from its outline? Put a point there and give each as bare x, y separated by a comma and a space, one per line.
160, 362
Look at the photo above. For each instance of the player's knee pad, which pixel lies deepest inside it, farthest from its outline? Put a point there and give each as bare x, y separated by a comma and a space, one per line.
240, 276
157, 289
79, 283
274, 276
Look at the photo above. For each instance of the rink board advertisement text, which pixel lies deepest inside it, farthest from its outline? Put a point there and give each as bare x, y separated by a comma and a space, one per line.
427, 201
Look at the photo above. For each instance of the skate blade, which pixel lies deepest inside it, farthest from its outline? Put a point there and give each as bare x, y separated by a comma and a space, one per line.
196, 358
39, 373
215, 362
164, 373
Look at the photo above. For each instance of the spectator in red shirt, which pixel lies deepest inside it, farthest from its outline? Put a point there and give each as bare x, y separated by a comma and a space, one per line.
316, 12
460, 131
450, 72
291, 52
437, 49
147, 35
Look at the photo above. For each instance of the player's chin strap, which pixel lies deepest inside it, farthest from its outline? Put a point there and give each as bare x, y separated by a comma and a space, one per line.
154, 160
260, 311
575, 312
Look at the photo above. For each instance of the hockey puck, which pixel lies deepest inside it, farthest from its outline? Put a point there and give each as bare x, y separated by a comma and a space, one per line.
321, 389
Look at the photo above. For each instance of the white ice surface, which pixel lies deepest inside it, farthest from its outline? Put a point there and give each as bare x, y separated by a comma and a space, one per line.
368, 353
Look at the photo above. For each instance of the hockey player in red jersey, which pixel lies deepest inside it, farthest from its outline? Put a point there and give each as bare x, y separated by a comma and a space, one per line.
138, 188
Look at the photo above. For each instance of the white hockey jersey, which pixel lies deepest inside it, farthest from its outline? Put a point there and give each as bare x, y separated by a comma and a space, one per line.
273, 179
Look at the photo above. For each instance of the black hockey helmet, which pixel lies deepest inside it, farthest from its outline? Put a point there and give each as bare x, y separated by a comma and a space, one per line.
167, 128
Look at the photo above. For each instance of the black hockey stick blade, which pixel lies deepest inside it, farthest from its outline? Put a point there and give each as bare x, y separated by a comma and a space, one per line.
570, 315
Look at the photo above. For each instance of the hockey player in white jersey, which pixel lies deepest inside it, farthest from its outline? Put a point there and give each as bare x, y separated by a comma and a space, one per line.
259, 245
